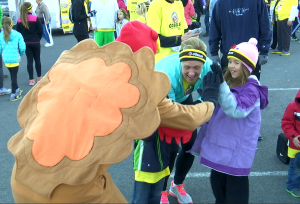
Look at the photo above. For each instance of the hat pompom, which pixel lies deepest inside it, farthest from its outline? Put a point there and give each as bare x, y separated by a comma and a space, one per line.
253, 41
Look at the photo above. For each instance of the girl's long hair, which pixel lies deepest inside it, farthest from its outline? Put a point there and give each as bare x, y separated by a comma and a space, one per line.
24, 13
143, 8
240, 80
124, 13
6, 25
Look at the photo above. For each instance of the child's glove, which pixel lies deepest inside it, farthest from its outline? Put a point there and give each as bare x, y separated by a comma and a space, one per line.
210, 92
216, 68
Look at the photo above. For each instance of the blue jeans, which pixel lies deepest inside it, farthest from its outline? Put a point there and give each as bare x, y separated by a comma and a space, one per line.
147, 192
293, 182
45, 33
206, 21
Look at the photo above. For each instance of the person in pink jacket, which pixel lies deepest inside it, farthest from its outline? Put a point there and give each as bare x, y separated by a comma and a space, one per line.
189, 12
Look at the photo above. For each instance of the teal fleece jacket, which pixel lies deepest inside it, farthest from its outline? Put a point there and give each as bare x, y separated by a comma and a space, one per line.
13, 48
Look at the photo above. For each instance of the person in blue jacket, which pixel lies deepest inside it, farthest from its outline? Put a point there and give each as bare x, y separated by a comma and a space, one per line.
233, 22
186, 71
12, 46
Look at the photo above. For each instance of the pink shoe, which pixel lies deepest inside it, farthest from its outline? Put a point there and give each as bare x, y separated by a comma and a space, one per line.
38, 79
31, 82
164, 198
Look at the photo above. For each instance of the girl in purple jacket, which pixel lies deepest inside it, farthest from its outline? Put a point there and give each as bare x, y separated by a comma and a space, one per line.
227, 143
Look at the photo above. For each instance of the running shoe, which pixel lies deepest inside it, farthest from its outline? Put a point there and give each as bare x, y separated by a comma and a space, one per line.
31, 82
276, 51
4, 90
38, 79
285, 53
180, 194
19, 91
14, 97
164, 198
294, 38
295, 193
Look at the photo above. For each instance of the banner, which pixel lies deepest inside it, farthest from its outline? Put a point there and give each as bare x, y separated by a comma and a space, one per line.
66, 24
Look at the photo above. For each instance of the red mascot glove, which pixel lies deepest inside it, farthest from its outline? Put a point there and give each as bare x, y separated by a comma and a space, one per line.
168, 133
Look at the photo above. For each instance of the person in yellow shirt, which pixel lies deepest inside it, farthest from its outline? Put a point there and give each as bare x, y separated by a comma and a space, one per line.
285, 13
166, 17
141, 10
131, 7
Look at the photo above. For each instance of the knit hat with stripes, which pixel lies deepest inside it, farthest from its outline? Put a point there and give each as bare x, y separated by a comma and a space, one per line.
246, 52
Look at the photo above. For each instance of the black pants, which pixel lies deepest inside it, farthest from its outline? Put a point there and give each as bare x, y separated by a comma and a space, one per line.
274, 41
229, 189
283, 35
33, 52
14, 78
184, 160
224, 65
81, 37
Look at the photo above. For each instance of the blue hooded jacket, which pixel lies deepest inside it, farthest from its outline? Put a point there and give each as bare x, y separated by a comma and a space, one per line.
236, 21
13, 48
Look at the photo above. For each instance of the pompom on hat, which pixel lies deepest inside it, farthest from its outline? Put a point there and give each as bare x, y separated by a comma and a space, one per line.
137, 35
246, 52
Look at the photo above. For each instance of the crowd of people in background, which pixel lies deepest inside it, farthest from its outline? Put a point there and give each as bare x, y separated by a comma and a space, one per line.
241, 34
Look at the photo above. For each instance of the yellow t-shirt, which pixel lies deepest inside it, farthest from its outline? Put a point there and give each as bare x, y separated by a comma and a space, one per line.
9, 65
168, 20
131, 7
292, 152
149, 177
142, 19
283, 8
187, 87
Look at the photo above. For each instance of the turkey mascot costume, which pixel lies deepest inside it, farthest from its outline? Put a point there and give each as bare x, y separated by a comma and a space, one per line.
84, 115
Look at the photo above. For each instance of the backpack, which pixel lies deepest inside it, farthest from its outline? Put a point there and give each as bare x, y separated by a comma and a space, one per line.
71, 14
282, 148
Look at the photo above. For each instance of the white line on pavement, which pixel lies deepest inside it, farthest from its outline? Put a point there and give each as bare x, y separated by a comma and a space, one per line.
258, 173
283, 89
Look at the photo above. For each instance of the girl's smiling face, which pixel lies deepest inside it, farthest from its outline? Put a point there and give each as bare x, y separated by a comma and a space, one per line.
235, 67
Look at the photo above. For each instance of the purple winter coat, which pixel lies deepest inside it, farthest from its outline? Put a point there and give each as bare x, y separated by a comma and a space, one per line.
227, 143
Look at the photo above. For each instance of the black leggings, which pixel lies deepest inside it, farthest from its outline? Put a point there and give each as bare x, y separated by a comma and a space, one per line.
229, 189
14, 78
33, 52
184, 160
80, 38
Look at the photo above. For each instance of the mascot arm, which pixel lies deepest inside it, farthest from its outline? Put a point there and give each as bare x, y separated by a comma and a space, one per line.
184, 117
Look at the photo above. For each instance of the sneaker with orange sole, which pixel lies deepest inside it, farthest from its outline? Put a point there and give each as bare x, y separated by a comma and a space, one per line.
180, 194
164, 197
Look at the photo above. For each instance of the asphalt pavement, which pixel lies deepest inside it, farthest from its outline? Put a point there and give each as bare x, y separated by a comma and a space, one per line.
267, 180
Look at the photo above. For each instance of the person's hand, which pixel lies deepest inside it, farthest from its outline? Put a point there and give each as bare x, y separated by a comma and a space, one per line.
296, 141
189, 35
46, 23
262, 59
91, 13
272, 22
94, 29
289, 23
195, 16
216, 59
216, 68
210, 91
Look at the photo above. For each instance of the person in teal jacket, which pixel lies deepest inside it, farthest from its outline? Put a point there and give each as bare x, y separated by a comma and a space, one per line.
12, 46
186, 71
3, 90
